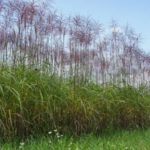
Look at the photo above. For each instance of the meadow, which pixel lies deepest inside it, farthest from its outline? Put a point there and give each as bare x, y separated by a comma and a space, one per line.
65, 83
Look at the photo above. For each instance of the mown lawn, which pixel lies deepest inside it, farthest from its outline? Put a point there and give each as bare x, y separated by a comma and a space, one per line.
118, 140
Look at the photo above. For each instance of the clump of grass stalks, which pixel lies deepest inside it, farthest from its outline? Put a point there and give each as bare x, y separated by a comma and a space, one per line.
34, 102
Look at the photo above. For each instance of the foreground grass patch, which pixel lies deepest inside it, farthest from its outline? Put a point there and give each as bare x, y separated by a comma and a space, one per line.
120, 140
34, 102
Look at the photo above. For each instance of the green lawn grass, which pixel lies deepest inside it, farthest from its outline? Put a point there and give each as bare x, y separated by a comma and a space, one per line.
118, 140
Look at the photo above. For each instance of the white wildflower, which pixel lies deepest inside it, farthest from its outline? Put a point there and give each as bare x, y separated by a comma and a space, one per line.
50, 132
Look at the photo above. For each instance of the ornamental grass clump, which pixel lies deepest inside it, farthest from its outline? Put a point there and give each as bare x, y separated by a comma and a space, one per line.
32, 102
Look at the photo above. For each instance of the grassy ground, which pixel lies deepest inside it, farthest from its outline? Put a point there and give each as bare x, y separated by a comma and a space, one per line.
119, 140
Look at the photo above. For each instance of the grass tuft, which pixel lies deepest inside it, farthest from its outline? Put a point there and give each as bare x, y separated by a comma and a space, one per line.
34, 102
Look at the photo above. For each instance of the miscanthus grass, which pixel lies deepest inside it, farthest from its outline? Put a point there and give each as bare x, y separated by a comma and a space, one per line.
33, 102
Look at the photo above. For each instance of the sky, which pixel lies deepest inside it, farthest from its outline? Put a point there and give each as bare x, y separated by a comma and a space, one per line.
134, 13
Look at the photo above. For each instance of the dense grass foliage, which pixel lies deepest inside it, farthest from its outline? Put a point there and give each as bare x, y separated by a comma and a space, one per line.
35, 102
121, 140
